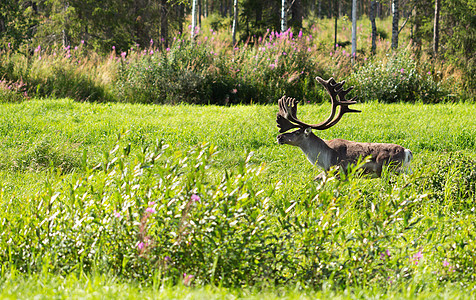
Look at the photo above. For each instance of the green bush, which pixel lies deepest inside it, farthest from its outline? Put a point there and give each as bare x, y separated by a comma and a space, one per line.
398, 79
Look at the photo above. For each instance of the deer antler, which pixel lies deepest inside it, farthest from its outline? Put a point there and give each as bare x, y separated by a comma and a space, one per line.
287, 119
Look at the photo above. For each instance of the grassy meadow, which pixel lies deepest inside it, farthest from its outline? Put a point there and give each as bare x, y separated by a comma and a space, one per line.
114, 183
107, 200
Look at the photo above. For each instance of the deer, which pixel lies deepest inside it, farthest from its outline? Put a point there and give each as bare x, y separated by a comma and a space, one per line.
337, 153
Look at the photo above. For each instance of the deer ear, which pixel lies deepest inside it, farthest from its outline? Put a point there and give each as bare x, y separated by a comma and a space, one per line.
307, 131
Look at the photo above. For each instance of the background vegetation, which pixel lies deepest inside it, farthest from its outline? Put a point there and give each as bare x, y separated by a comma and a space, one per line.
54, 48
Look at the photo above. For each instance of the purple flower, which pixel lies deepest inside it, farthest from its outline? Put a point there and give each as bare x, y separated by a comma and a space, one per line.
385, 254
151, 41
82, 42
123, 54
445, 263
140, 245
151, 52
416, 257
402, 70
168, 49
150, 210
429, 73
195, 197
272, 66
187, 279
117, 214
113, 47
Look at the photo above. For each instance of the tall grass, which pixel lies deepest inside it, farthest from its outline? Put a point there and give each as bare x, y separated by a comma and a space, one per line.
151, 203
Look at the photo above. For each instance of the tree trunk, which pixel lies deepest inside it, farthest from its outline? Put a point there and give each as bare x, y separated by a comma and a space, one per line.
436, 28
296, 10
395, 24
199, 13
164, 24
284, 16
319, 9
373, 6
235, 21
194, 18
336, 16
354, 28
64, 31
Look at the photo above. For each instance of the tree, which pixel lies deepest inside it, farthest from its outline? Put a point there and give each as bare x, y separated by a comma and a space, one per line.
354, 28
194, 18
284, 16
296, 14
395, 28
235, 21
17, 20
436, 28
164, 25
336, 16
373, 11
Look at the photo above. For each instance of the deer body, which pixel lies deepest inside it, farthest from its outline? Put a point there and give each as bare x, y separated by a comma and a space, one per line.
341, 153
336, 152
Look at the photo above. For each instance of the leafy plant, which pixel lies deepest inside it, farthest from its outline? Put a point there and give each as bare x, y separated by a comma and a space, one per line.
398, 79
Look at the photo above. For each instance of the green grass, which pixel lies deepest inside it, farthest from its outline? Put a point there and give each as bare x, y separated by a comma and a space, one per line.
38, 133
50, 148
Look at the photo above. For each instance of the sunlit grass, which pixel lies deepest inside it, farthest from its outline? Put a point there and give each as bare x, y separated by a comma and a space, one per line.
42, 152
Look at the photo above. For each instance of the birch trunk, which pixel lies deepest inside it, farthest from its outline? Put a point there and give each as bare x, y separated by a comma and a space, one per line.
194, 18
235, 21
354, 28
395, 24
284, 16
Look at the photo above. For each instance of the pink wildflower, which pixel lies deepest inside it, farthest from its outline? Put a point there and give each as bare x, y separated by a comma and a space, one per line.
417, 256
195, 197
187, 279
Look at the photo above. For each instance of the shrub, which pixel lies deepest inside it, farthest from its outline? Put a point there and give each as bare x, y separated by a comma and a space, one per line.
398, 79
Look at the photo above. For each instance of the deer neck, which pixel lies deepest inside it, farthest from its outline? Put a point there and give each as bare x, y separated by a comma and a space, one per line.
318, 152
